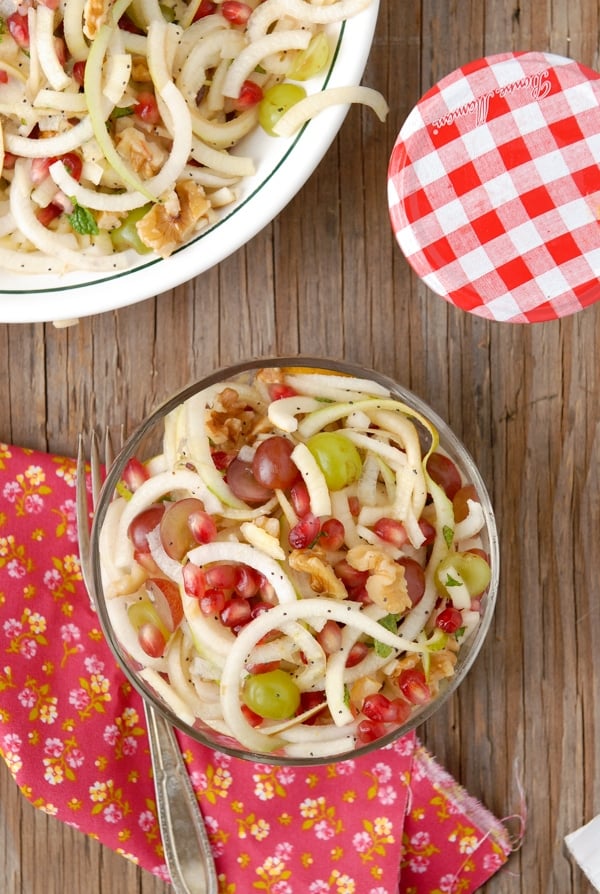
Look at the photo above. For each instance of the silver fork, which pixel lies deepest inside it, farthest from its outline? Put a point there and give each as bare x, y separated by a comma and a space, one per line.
185, 840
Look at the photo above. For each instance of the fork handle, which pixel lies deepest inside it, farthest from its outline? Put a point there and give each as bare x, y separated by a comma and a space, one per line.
185, 840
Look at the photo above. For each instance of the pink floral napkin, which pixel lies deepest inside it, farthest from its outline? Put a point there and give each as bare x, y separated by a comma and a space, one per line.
73, 735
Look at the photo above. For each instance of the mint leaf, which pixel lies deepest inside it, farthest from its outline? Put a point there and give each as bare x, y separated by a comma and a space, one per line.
121, 112
448, 533
451, 581
83, 221
390, 622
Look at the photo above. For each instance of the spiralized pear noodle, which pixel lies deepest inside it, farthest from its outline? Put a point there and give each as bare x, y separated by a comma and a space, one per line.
146, 137
378, 588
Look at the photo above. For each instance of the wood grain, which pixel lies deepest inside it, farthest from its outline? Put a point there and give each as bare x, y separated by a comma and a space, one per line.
326, 277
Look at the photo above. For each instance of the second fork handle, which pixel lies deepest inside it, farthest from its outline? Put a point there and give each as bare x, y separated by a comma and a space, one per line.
185, 840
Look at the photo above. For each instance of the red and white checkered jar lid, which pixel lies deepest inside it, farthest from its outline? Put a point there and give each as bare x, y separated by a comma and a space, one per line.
494, 187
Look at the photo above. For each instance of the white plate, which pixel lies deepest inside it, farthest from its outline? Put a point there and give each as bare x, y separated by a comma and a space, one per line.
283, 166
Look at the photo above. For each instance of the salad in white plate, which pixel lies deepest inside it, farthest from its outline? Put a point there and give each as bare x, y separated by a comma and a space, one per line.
298, 566
117, 120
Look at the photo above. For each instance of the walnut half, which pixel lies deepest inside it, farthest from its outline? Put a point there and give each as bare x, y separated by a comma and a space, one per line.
386, 585
170, 223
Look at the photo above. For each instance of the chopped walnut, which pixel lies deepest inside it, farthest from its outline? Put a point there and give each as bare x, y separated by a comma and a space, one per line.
270, 375
322, 576
94, 16
140, 73
231, 422
108, 220
386, 585
145, 158
171, 223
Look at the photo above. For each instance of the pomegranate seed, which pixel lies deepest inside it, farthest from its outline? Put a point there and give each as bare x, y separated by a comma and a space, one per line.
18, 27
79, 71
247, 581
3, 77
390, 530
9, 161
413, 686
212, 602
221, 459
134, 474
300, 498
379, 707
146, 107
332, 534
267, 592
39, 170
329, 637
206, 8
305, 532
370, 730
359, 594
356, 654
62, 202
252, 718
449, 620
194, 582
203, 527
351, 577
126, 24
60, 48
221, 576
401, 710
262, 667
259, 608
250, 95
277, 390
48, 214
72, 162
354, 506
310, 700
235, 12
236, 613
376, 707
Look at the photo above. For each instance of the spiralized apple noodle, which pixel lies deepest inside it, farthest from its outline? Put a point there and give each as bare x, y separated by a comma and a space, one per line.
354, 600
117, 120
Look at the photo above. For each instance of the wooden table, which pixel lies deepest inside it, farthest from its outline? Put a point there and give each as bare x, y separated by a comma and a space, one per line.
327, 278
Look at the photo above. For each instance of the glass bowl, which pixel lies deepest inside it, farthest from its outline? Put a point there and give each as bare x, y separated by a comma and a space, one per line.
226, 613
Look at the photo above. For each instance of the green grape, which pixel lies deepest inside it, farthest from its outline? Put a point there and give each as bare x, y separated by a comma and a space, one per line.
126, 235
273, 695
337, 457
277, 100
311, 61
473, 569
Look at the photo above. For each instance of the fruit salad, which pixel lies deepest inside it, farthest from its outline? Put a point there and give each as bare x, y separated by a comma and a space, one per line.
299, 564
